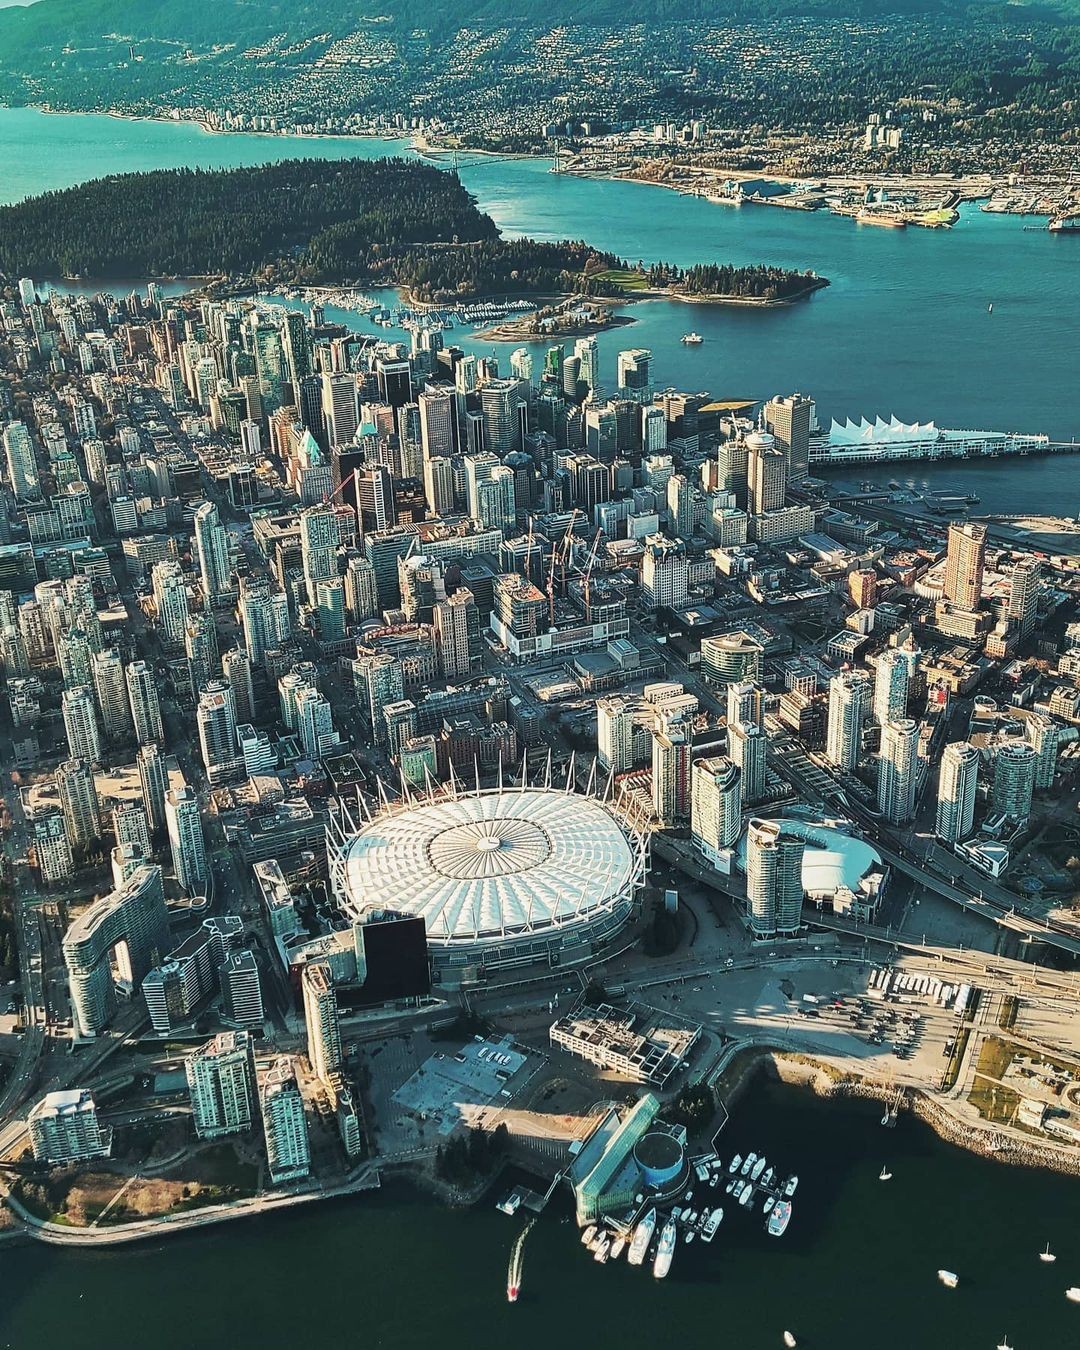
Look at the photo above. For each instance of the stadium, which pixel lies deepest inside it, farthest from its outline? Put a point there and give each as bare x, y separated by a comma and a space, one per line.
502, 877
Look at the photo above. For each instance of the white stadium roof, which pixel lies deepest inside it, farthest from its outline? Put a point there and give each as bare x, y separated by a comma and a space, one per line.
493, 864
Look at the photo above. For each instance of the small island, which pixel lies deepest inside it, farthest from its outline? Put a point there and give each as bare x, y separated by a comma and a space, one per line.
357, 222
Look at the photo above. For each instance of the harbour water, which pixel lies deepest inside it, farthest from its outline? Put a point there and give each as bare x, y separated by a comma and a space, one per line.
856, 1267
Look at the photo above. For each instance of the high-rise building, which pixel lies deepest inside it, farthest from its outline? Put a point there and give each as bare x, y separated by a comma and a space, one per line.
340, 407
319, 540
288, 1152
201, 650
241, 989
79, 802
767, 471
221, 1081
361, 589
457, 634
314, 723
212, 545
958, 779
849, 698
890, 687
789, 419
671, 750
735, 657
436, 423
170, 601
634, 373
80, 724
64, 1128
375, 498
236, 672
716, 809
501, 415
665, 575
623, 736
747, 744
264, 615
130, 827
964, 564
1041, 732
321, 1019
21, 462
51, 847
215, 717
153, 780
186, 841
112, 695
897, 770
1015, 767
774, 889
144, 702
745, 703
1024, 595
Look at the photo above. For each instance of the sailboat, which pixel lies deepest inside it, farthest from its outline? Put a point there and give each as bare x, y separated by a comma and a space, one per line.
884, 1174
990, 307
1047, 1255
1004, 1344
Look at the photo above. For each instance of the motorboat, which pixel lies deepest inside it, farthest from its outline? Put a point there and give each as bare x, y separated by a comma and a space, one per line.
789, 1340
692, 339
779, 1219
588, 1235
1073, 1294
601, 1254
735, 1164
790, 1186
950, 1280
662, 1263
758, 1168
642, 1237
617, 1247
751, 1159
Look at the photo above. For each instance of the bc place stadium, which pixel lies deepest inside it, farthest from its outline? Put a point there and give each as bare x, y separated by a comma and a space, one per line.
503, 877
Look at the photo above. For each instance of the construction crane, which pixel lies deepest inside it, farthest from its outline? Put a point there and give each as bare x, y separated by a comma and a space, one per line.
562, 547
590, 563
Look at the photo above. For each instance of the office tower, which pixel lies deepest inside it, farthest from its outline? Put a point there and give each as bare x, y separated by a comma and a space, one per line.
212, 544
716, 809
664, 573
314, 723
436, 423
890, 687
439, 486
1042, 734
496, 506
241, 990
897, 770
51, 847
682, 504
361, 589
330, 609
215, 718
264, 616
80, 724
964, 565
1024, 595
130, 827
201, 650
747, 744
849, 699
288, 1152
394, 378
734, 657
634, 373
186, 842
21, 462
863, 587
958, 779
653, 430
587, 351
112, 696
64, 1128
379, 679
745, 703
500, 414
340, 408
457, 635
788, 418
478, 469
127, 929
170, 601
1015, 766
321, 1019
671, 750
79, 802
221, 1081
144, 702
774, 889
766, 473
319, 540
153, 780
375, 498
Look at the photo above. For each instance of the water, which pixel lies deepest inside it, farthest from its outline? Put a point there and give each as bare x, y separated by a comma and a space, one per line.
856, 1268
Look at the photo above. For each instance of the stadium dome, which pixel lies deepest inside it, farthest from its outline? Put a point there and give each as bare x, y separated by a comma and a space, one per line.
500, 876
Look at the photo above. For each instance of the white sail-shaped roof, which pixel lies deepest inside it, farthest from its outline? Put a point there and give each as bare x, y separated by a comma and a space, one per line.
881, 432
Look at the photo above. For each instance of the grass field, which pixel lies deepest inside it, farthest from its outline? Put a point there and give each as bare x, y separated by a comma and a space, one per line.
626, 280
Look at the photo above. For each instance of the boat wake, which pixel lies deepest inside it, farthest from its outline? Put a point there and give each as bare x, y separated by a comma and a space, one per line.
516, 1269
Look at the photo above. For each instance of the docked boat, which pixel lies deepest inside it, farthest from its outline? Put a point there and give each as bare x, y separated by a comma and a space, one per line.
617, 1247
712, 1223
769, 1177
1047, 1255
1073, 1294
1059, 225
692, 339
747, 1195
588, 1235
601, 1253
735, 1164
769, 1201
751, 1159
639, 1245
948, 1278
790, 1186
757, 1170
689, 1236
729, 1187
779, 1218
662, 1263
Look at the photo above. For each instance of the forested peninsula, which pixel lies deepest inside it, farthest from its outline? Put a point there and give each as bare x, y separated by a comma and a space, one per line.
366, 222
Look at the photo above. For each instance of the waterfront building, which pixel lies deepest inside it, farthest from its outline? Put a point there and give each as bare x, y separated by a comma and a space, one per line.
897, 770
241, 989
221, 1081
716, 809
144, 703
774, 889
890, 687
79, 802
849, 697
747, 745
64, 1128
789, 419
1015, 766
288, 1152
321, 1020
958, 780
186, 841
767, 472
129, 927
964, 564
